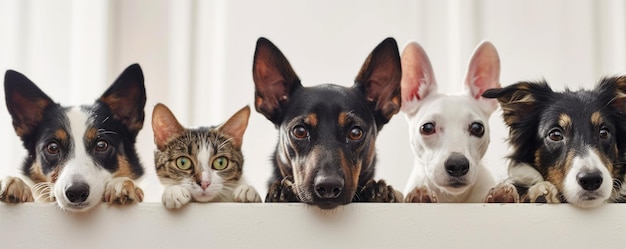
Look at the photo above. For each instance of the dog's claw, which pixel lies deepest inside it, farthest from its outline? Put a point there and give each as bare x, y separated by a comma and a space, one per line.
503, 193
122, 190
542, 192
282, 191
378, 191
421, 195
15, 190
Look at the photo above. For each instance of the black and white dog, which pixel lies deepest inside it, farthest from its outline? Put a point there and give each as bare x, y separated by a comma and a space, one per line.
567, 146
77, 156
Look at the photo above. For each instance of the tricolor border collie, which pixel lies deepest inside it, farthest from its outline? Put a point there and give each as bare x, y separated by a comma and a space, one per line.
77, 156
567, 146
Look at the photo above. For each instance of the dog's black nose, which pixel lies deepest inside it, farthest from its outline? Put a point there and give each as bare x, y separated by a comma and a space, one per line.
328, 187
77, 193
589, 181
456, 165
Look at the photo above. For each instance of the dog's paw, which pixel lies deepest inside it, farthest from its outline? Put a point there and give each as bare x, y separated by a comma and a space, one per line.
378, 191
14, 190
122, 190
246, 193
175, 197
282, 191
503, 193
542, 192
421, 195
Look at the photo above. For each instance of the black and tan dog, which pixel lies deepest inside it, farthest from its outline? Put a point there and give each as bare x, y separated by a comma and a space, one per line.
567, 146
326, 146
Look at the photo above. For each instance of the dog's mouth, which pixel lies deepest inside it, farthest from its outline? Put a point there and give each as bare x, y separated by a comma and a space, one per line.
326, 205
457, 183
76, 207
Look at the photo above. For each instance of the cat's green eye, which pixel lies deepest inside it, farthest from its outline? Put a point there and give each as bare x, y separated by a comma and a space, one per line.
184, 163
220, 163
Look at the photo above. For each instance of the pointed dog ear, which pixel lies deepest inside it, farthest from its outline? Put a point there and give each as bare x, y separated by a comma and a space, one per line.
274, 80
520, 100
379, 80
484, 73
126, 98
165, 126
418, 78
25, 101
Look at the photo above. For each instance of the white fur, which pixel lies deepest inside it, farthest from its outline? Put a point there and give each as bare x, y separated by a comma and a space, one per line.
524, 174
80, 167
452, 115
575, 194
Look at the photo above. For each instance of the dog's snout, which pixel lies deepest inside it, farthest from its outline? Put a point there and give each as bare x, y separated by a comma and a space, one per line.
328, 187
77, 193
457, 165
589, 180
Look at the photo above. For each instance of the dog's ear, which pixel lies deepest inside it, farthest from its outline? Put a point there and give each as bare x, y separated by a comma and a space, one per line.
274, 80
613, 89
379, 80
164, 125
236, 126
25, 101
520, 100
483, 73
418, 78
126, 98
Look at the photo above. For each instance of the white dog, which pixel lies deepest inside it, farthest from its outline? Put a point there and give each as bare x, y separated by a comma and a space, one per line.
449, 133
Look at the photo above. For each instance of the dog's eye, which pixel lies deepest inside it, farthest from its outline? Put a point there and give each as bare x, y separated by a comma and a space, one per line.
52, 148
427, 129
604, 133
220, 163
300, 132
477, 129
183, 163
356, 133
102, 145
555, 135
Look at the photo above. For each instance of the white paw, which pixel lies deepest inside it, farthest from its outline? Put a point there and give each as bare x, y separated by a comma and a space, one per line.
545, 189
175, 197
246, 193
14, 190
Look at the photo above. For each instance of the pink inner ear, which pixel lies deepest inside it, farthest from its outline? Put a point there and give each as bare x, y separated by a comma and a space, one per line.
164, 125
418, 79
484, 70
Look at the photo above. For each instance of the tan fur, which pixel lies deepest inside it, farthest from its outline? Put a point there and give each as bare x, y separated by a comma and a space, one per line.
124, 168
311, 119
596, 119
565, 121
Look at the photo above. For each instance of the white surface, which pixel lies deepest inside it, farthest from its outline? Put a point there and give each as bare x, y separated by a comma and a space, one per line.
368, 225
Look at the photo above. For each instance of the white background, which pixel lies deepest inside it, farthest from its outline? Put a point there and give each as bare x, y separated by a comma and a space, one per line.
197, 56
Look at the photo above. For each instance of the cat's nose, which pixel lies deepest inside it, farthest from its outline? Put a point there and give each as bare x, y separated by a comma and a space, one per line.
205, 184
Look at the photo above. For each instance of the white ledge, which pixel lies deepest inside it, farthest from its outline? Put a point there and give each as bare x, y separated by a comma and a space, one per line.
363, 225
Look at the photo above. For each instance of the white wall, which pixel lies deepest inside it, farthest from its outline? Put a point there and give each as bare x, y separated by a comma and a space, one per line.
197, 56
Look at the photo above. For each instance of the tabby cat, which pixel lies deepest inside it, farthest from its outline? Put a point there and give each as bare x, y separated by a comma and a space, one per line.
202, 164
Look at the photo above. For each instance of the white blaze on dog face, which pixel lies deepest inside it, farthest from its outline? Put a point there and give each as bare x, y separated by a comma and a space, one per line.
80, 167
573, 191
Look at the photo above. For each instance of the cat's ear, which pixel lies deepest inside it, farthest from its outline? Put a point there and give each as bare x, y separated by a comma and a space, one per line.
164, 125
236, 126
